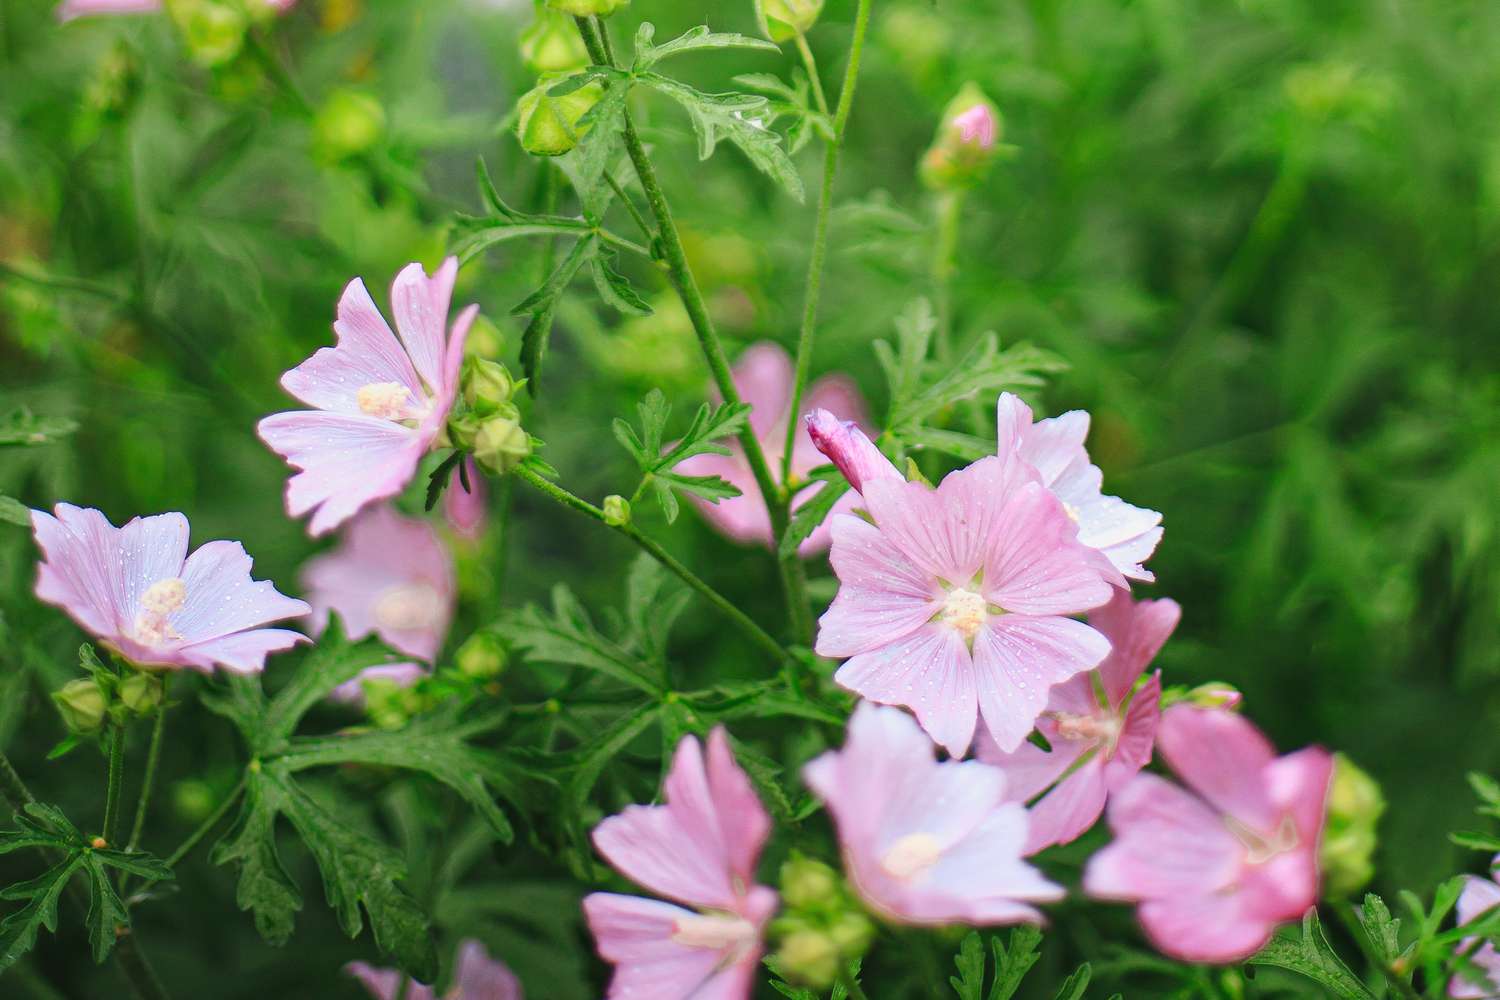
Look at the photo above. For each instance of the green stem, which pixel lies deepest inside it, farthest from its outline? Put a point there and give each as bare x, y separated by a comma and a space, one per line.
851, 983
186, 847
63, 282
153, 758
811, 65
12, 788
944, 266
741, 620
605, 236
635, 213
138, 971
116, 779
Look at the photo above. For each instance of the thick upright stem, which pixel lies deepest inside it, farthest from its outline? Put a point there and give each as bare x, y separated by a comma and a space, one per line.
116, 779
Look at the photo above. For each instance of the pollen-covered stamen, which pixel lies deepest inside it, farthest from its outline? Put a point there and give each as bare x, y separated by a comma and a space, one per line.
386, 400
409, 607
1097, 729
965, 610
158, 603
1260, 848
715, 932
911, 856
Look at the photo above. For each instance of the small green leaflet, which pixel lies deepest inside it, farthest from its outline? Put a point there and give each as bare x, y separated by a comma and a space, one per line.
568, 637
656, 461
790, 101
1011, 965
1314, 958
21, 428
542, 305
1073, 987
816, 510
692, 40
1382, 930
14, 512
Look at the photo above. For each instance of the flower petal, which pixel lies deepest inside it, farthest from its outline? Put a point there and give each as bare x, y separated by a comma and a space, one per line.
763, 378
81, 569
385, 984
737, 810
1138, 733
1168, 844
420, 305
240, 653
1204, 928
480, 977
367, 353
882, 596
636, 936
849, 448
1017, 660
223, 599
1224, 758
1136, 631
151, 549
1070, 808
928, 671
1033, 565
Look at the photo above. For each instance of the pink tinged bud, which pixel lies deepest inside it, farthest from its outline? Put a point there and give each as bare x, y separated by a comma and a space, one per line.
978, 126
848, 448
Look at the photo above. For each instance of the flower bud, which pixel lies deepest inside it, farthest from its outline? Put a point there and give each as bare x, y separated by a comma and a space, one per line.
348, 123
583, 8
547, 125
783, 20
851, 934
616, 511
485, 339
1349, 833
810, 957
551, 44
141, 692
481, 656
500, 445
967, 142
82, 705
214, 31
488, 386
807, 884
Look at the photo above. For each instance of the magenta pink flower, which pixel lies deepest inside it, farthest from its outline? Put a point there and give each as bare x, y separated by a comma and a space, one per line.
1098, 744
1217, 867
138, 591
465, 508
764, 378
699, 849
1126, 535
979, 126
926, 842
953, 601
478, 977
1480, 895
392, 576
379, 404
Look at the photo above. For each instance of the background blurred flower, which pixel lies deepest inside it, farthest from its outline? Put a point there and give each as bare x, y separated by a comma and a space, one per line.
477, 977
1479, 896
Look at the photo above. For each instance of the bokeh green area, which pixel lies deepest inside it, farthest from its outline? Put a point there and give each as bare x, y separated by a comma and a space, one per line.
1264, 235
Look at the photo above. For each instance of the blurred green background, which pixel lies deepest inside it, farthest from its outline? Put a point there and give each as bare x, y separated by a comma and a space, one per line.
1264, 234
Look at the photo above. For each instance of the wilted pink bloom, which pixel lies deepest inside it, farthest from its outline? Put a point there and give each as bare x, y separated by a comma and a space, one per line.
925, 842
978, 125
1479, 896
69, 9
1097, 744
1126, 535
953, 601
763, 378
478, 977
465, 508
380, 404
392, 576
139, 592
699, 849
1215, 867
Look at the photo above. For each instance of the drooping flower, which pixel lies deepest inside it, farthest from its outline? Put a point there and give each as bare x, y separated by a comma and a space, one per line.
379, 404
1126, 535
69, 9
477, 977
1216, 866
464, 507
926, 842
138, 591
953, 601
1479, 896
392, 576
1101, 727
699, 849
763, 377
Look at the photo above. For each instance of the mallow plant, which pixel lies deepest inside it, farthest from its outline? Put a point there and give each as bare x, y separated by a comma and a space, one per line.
962, 730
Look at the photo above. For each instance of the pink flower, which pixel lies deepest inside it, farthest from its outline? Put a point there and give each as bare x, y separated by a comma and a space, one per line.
1479, 896
478, 977
1215, 869
392, 576
139, 592
700, 849
953, 601
925, 842
379, 404
847, 446
465, 508
764, 378
1097, 745
1126, 535
978, 126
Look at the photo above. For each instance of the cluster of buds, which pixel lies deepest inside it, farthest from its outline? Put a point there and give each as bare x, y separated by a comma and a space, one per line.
551, 44
783, 20
967, 142
550, 124
822, 928
87, 703
1349, 834
490, 426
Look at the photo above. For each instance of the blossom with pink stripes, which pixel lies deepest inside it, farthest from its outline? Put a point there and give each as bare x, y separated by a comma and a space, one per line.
1101, 726
478, 977
700, 850
1218, 865
379, 404
139, 592
926, 842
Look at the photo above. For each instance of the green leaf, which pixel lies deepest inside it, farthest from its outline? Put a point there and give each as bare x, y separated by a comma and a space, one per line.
21, 428
812, 513
542, 303
476, 235
599, 148
604, 749
568, 637
1074, 985
708, 426
653, 603
694, 39
437, 481
614, 288
903, 364
1381, 929
264, 888
18, 932
984, 369
1313, 957
1476, 841
969, 447
1487, 788
334, 661
1011, 965
15, 512
969, 983
107, 911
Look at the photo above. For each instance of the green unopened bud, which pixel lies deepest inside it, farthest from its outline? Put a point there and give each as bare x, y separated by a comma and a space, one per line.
500, 445
616, 511
390, 705
967, 142
350, 122
807, 884
82, 705
141, 692
551, 44
481, 656
1355, 805
851, 935
548, 125
1215, 694
213, 30
193, 800
485, 339
783, 20
810, 957
583, 8
488, 386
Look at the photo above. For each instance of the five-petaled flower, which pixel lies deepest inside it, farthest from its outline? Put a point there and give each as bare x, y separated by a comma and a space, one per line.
1100, 725
1215, 869
379, 404
477, 977
699, 849
926, 842
139, 592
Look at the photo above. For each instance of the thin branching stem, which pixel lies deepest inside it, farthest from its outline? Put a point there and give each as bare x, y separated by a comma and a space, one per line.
153, 760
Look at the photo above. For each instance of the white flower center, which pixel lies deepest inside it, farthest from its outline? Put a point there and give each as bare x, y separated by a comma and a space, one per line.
715, 932
964, 610
409, 607
386, 400
158, 603
911, 856
1260, 848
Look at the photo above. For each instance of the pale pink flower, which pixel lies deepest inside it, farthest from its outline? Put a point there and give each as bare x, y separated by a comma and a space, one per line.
699, 849
69, 9
1126, 535
1217, 867
953, 601
978, 126
1479, 896
763, 377
465, 508
380, 404
926, 842
1098, 743
392, 576
478, 977
138, 591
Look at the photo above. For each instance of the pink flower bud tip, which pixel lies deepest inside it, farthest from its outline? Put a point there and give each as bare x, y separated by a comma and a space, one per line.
978, 126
